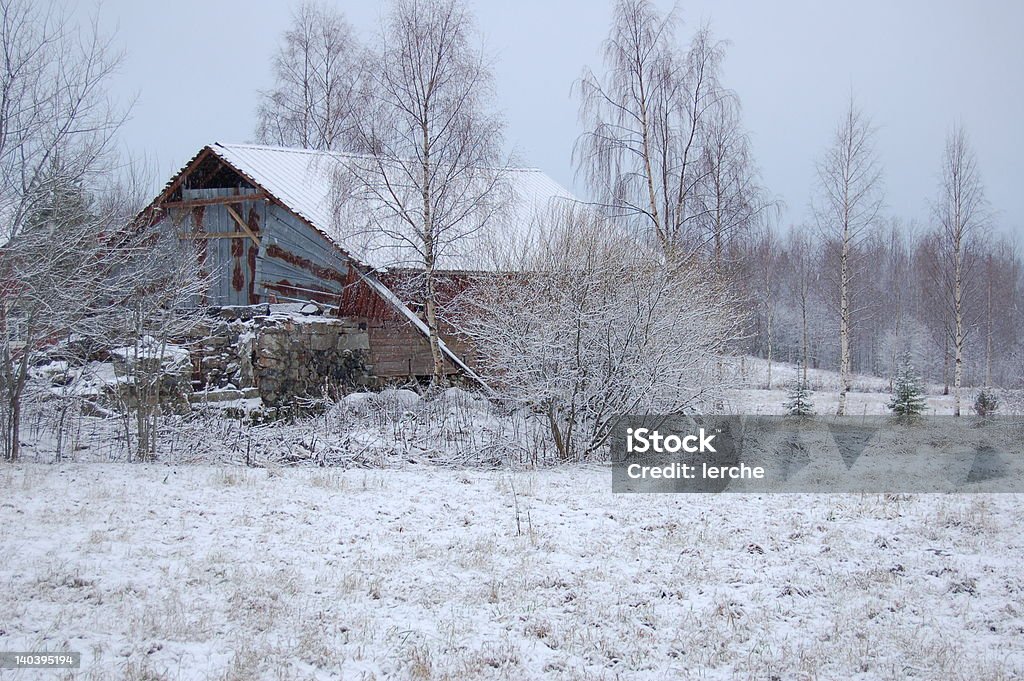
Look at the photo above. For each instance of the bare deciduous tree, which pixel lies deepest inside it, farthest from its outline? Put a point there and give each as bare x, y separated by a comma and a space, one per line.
767, 261
931, 273
848, 202
644, 120
317, 73
1002, 283
895, 260
56, 137
960, 211
432, 174
800, 250
730, 200
157, 289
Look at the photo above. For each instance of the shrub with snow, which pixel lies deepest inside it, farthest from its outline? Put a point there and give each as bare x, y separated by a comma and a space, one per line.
598, 325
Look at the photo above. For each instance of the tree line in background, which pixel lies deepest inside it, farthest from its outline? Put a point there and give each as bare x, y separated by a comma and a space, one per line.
665, 153
902, 301
857, 290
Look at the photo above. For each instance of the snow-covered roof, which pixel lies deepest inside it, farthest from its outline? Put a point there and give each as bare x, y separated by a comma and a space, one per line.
306, 182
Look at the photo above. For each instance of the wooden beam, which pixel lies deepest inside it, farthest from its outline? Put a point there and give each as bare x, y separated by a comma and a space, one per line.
241, 223
192, 165
214, 235
215, 200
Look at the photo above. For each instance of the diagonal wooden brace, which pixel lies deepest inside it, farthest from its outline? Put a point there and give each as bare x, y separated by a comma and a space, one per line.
241, 223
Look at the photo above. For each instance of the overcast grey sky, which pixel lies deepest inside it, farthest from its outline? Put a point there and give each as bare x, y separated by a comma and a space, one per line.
914, 66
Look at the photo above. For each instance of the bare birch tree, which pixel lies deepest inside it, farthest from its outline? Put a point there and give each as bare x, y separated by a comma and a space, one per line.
847, 206
432, 175
644, 121
961, 213
317, 71
803, 278
730, 200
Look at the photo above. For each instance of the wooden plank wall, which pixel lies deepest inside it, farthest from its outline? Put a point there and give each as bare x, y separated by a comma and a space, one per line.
298, 262
291, 262
397, 350
231, 262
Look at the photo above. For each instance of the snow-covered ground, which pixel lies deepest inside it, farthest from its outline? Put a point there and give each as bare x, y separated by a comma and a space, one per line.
749, 401
396, 537
870, 395
192, 572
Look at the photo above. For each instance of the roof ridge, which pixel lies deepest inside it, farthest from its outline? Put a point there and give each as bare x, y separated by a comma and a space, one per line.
343, 154
290, 150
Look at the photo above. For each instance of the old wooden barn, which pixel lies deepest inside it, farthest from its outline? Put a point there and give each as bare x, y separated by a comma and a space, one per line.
266, 221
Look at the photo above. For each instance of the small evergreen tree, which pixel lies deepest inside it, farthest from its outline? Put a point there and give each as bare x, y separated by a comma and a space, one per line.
986, 403
798, 398
908, 393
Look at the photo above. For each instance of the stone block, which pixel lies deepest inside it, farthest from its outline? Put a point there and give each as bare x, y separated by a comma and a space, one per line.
321, 342
353, 341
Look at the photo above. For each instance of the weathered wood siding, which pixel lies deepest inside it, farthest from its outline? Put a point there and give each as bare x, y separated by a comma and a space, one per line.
295, 262
397, 350
229, 262
292, 261
298, 262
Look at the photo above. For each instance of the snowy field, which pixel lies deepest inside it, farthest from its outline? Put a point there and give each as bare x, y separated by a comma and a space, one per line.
870, 396
192, 572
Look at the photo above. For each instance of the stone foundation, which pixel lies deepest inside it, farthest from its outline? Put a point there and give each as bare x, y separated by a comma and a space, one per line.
286, 352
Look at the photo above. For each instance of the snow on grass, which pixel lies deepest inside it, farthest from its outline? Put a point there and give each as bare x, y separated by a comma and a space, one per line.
752, 402
385, 429
753, 372
190, 572
870, 395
